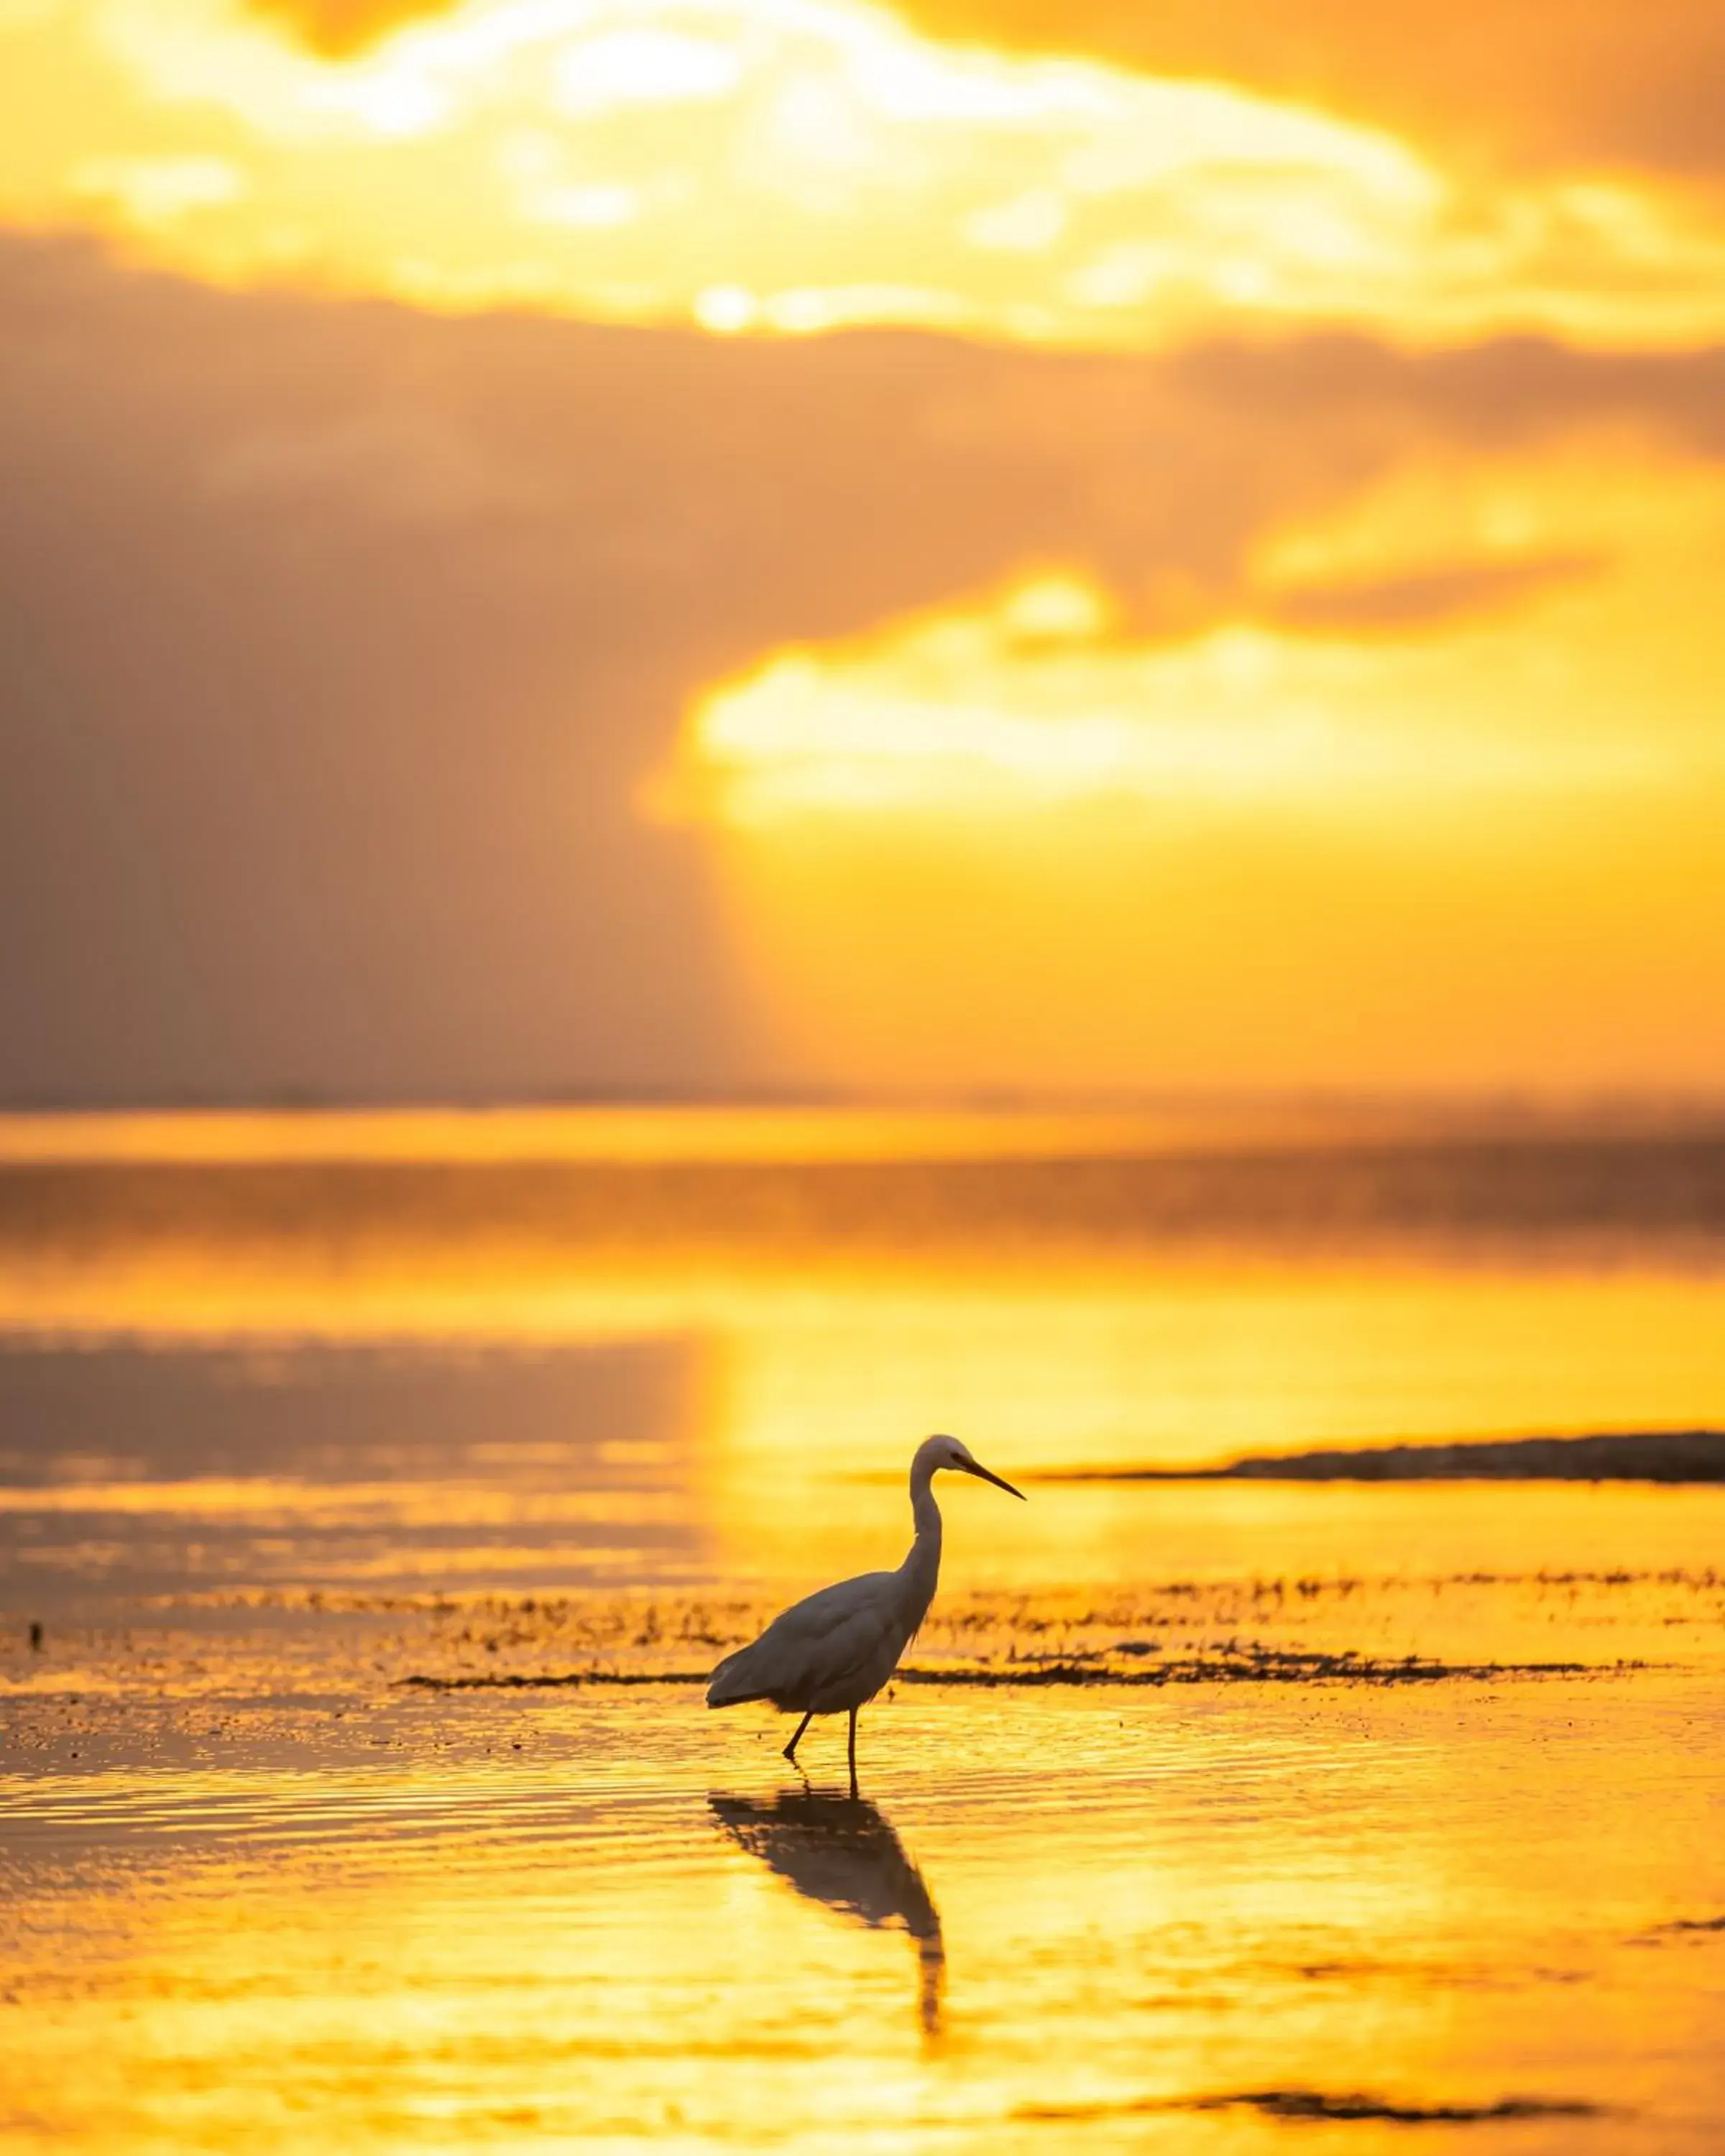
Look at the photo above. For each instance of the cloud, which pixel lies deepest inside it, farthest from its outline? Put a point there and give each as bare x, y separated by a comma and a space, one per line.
342, 641
746, 164
1424, 598
1037, 702
1503, 391
1546, 83
339, 28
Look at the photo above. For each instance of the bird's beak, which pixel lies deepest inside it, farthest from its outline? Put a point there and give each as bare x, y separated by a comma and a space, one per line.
998, 1481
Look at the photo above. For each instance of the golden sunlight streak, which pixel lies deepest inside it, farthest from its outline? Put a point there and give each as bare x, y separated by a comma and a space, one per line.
1070, 1354
790, 166
1019, 835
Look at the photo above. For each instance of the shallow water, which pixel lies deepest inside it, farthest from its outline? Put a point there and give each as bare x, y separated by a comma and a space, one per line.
380, 1491
1142, 1920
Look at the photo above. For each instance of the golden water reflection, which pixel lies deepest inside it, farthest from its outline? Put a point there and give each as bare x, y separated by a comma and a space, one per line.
681, 1423
841, 1850
625, 1345
1153, 1916
379, 1519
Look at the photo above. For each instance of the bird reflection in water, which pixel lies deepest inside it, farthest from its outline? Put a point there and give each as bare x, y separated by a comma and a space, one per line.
843, 1851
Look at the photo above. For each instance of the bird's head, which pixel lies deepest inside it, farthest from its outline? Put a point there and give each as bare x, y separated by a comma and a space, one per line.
948, 1452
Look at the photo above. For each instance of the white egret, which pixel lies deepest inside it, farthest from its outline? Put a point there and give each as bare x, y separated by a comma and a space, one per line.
832, 1652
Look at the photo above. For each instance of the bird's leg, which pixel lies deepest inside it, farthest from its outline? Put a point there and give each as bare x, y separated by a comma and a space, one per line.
853, 1752
790, 1750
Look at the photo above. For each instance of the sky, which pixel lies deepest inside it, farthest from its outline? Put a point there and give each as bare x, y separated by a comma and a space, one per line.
564, 546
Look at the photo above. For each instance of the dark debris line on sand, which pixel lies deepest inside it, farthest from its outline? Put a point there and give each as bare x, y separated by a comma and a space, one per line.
550, 1681
1682, 1928
1262, 1665
1269, 1666
1315, 2104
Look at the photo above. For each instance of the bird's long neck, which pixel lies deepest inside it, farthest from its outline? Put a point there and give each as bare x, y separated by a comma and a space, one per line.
922, 1566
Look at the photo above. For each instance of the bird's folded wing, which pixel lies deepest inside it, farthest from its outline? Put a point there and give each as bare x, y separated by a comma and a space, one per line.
818, 1643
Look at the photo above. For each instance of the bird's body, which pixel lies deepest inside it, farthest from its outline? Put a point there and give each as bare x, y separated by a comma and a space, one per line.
833, 1650
831, 1653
